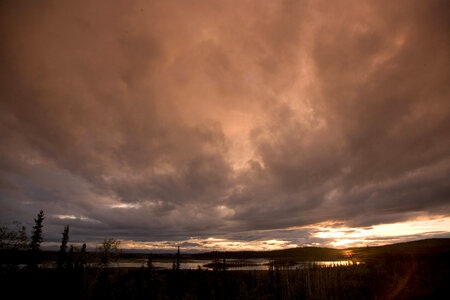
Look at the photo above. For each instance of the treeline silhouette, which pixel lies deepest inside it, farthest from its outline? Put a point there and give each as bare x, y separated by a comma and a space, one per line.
417, 270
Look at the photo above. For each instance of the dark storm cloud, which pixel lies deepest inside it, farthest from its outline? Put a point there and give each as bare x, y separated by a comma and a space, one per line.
169, 120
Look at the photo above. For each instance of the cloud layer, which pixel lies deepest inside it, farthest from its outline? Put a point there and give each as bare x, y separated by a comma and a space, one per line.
173, 120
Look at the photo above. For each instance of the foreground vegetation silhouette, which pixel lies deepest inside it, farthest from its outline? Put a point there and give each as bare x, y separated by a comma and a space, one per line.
414, 270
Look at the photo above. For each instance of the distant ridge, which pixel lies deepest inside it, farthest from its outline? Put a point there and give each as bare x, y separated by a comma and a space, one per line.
420, 247
426, 246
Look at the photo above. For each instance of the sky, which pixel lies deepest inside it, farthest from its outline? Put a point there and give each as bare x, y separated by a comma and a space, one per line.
226, 125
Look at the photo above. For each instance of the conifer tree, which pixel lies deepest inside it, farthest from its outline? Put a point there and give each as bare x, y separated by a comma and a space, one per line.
36, 240
82, 256
62, 249
150, 262
36, 234
178, 259
70, 257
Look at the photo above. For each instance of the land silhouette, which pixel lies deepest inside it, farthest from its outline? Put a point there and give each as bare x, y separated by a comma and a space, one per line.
410, 270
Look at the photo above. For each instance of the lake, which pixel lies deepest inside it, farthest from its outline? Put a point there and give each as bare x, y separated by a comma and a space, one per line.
241, 265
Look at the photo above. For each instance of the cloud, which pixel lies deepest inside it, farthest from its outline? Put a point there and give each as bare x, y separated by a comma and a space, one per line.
166, 121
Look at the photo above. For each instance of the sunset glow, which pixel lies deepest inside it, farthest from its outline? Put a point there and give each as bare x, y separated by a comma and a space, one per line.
379, 234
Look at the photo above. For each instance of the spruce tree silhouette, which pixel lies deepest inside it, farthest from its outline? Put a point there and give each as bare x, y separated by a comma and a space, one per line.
62, 256
178, 259
36, 240
71, 258
178, 288
150, 262
82, 257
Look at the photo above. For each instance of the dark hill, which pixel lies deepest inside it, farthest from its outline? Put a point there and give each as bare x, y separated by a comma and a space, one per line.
422, 247
414, 248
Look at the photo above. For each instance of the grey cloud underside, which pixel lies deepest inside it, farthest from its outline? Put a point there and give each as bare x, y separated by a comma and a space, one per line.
130, 103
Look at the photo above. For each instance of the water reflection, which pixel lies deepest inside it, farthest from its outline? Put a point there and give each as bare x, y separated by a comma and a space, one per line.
241, 265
